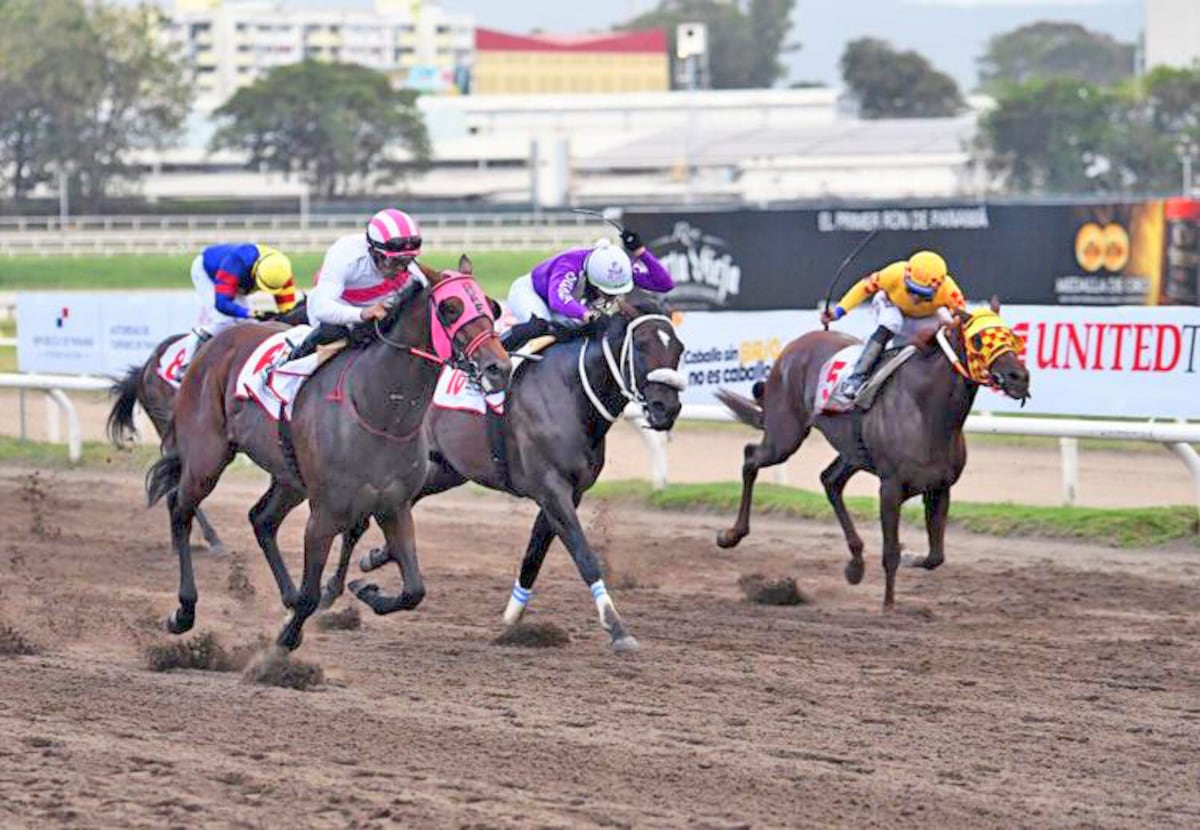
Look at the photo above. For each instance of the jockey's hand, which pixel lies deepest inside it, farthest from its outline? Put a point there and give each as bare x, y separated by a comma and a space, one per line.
264, 315
826, 316
592, 315
378, 311
632, 241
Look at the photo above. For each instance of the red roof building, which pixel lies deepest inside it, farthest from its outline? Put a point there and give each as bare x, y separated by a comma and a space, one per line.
608, 62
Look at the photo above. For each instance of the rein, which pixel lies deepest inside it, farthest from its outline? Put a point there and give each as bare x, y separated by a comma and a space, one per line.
623, 370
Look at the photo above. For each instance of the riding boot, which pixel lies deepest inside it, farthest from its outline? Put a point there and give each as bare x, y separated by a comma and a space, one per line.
866, 362
522, 333
322, 334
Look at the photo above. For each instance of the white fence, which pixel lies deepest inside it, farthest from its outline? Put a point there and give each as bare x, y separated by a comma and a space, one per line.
56, 387
1177, 437
109, 235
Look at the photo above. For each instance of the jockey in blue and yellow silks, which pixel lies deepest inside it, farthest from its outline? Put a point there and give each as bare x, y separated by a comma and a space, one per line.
222, 274
907, 296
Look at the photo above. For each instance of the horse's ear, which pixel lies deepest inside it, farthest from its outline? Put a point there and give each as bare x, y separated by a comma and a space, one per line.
465, 266
994, 303
432, 275
494, 305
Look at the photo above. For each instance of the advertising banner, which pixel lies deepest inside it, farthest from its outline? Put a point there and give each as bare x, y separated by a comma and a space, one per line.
1114, 254
97, 333
1126, 362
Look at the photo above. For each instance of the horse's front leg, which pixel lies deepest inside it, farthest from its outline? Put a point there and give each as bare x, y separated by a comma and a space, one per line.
891, 497
318, 537
937, 512
557, 501
336, 584
540, 538
401, 537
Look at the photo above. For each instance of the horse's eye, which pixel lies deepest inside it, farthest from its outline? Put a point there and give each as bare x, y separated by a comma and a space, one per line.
449, 310
977, 342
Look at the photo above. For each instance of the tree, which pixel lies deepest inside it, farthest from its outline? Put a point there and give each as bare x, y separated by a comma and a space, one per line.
82, 86
745, 39
1051, 137
893, 84
1047, 49
329, 122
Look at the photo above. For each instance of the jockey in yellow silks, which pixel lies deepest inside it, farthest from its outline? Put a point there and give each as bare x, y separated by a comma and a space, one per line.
907, 297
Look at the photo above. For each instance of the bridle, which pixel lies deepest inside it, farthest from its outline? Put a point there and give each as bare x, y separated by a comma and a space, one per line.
462, 357
992, 380
624, 369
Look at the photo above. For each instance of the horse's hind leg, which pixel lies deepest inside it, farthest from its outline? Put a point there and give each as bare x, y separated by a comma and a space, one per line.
266, 516
937, 511
780, 440
336, 584
540, 538
834, 477
210, 533
182, 503
401, 538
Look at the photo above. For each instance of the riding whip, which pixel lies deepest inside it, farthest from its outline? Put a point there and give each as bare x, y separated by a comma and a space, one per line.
842, 268
585, 212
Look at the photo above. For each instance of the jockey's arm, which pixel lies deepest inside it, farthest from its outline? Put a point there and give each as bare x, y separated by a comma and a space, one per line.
285, 297
227, 283
950, 296
650, 274
325, 303
560, 291
860, 291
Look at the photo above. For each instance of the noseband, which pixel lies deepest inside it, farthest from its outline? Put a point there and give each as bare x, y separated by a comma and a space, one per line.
624, 372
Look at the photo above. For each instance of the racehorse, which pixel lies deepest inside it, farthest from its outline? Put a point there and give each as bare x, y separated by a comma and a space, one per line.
911, 438
558, 413
355, 446
142, 385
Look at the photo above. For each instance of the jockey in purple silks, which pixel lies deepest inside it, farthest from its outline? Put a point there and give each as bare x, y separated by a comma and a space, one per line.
579, 285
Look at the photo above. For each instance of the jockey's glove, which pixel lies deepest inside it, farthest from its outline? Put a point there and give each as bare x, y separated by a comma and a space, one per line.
263, 315
632, 240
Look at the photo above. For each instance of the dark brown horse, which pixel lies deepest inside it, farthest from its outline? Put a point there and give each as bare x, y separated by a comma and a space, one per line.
911, 438
355, 447
554, 441
143, 386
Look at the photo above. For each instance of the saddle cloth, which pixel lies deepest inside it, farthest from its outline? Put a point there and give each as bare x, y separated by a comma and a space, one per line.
265, 379
829, 398
455, 391
174, 360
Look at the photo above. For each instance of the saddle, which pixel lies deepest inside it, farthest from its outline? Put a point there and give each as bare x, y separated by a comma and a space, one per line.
829, 398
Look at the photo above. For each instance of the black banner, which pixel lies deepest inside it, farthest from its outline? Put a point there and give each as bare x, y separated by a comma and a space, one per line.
1028, 254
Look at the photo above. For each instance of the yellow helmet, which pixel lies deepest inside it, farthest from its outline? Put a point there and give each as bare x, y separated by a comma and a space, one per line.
273, 270
927, 270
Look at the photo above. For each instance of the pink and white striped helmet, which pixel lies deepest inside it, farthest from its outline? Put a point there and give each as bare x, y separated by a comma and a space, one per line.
393, 233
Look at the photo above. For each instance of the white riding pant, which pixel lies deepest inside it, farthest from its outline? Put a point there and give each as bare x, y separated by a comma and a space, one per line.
904, 329
209, 319
524, 303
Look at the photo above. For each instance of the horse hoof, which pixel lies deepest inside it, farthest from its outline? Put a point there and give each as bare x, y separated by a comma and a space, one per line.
329, 596
179, 625
728, 538
372, 559
217, 548
626, 645
288, 641
854, 571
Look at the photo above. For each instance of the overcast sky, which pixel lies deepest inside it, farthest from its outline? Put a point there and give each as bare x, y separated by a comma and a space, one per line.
951, 33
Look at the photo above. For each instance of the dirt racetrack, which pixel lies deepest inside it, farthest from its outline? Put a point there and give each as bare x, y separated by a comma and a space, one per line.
1026, 683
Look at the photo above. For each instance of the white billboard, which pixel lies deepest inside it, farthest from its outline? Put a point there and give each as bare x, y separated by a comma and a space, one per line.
1126, 361
97, 332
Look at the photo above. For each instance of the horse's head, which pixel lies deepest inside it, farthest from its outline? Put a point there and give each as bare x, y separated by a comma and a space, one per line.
464, 326
652, 352
993, 352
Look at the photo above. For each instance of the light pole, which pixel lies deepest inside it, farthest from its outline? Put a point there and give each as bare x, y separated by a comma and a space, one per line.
1185, 150
691, 49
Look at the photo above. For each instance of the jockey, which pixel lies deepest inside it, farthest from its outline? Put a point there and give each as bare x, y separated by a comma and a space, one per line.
908, 297
579, 285
360, 271
223, 274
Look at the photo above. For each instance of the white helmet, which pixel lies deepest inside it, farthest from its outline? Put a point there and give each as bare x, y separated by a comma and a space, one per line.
608, 268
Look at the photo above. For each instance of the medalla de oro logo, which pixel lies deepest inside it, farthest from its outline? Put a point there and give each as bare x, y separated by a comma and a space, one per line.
704, 271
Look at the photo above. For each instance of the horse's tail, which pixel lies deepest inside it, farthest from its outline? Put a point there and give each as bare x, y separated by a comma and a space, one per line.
162, 479
120, 420
749, 412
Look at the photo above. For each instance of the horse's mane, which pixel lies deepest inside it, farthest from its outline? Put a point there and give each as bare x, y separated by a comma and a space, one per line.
402, 301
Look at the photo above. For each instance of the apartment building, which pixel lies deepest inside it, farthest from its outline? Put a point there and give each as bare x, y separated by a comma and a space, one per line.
230, 43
